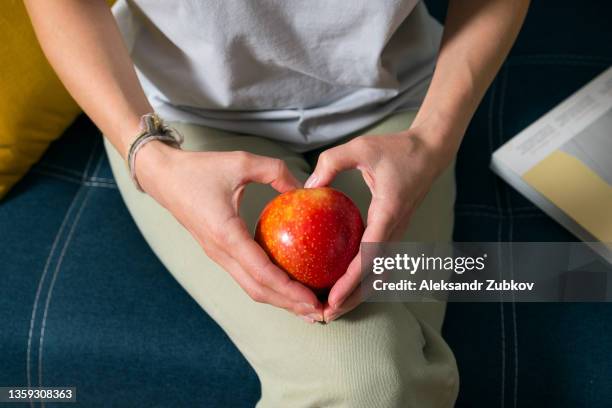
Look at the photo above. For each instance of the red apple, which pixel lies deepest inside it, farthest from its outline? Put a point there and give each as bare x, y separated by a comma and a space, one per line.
312, 234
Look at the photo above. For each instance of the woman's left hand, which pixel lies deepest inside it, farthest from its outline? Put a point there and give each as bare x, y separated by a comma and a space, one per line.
399, 169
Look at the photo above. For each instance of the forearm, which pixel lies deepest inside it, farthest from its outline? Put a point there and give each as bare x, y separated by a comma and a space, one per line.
478, 35
83, 44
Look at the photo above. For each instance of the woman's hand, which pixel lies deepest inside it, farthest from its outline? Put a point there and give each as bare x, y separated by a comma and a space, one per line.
399, 170
203, 191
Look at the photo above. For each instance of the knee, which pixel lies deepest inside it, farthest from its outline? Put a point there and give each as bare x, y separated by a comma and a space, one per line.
368, 383
411, 367
384, 381
379, 356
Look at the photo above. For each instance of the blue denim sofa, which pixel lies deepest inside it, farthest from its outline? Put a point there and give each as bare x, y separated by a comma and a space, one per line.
85, 303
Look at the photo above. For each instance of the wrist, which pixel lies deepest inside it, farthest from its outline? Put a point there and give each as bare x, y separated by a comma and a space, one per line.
128, 130
439, 143
153, 129
154, 160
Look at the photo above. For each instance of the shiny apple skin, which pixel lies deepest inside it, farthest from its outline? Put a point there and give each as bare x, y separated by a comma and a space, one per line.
313, 234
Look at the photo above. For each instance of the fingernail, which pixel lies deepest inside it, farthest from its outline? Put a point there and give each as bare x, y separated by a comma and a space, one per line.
316, 316
331, 318
308, 306
312, 180
308, 319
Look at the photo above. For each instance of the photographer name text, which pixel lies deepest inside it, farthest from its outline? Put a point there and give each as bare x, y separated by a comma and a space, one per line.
444, 285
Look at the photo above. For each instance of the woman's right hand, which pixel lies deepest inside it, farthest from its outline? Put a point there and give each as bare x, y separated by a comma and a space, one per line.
203, 191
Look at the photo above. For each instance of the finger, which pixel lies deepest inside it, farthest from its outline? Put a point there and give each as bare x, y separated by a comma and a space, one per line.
382, 220
381, 223
269, 170
260, 293
346, 284
238, 244
331, 314
356, 297
330, 163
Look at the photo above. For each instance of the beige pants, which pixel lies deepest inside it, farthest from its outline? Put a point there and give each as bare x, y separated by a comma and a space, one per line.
379, 355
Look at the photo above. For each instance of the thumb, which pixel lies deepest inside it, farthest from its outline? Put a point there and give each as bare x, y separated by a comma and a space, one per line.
272, 171
330, 163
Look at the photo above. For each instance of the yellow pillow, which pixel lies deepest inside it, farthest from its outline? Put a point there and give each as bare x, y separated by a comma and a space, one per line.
35, 108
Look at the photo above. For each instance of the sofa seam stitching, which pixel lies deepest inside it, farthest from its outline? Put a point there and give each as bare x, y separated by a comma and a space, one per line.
90, 160
41, 281
57, 170
52, 284
491, 147
59, 265
48, 165
510, 218
68, 179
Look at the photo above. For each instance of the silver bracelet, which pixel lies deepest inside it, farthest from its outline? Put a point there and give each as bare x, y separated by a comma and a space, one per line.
153, 128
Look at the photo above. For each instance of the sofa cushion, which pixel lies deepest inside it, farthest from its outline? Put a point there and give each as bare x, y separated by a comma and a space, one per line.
516, 355
30, 89
35, 109
84, 302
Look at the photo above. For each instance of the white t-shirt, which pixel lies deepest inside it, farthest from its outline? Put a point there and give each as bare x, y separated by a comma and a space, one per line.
302, 72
